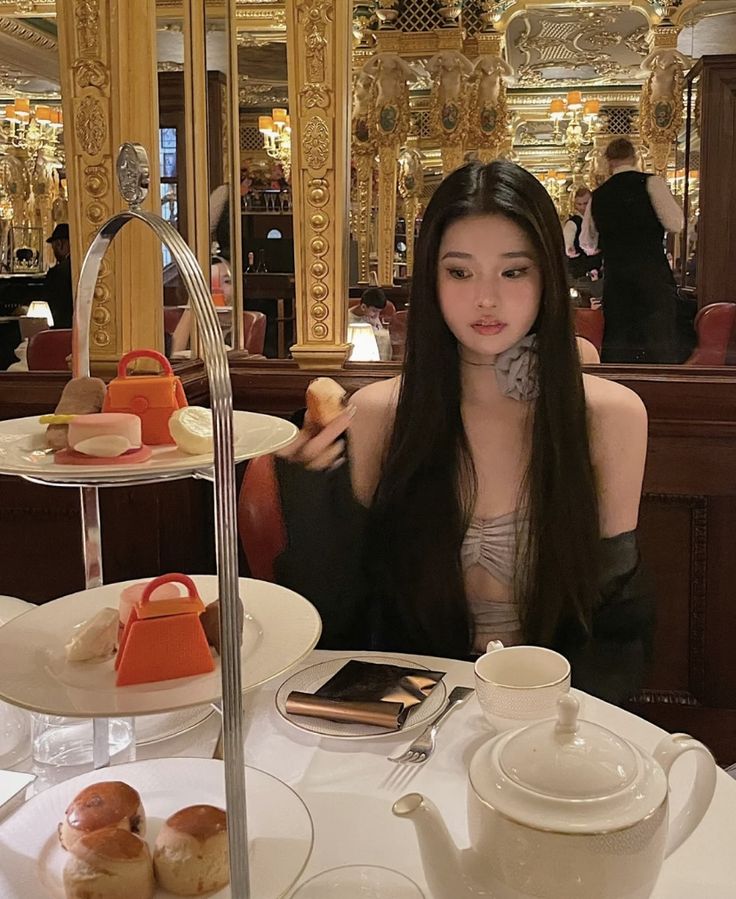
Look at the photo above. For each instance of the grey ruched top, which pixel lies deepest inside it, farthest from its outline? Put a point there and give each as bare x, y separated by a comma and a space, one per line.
491, 543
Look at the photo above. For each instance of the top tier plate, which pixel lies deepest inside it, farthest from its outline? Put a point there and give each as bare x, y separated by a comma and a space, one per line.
23, 453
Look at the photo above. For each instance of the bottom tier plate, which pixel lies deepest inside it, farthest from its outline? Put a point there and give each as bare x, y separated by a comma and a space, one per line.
280, 831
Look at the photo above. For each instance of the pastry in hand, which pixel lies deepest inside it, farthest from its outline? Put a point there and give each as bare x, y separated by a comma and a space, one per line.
108, 804
190, 857
81, 396
325, 401
109, 864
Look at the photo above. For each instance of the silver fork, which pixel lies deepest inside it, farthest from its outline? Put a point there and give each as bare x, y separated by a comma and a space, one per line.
421, 749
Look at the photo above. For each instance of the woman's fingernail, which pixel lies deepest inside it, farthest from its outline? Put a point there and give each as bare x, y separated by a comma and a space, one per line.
351, 410
335, 465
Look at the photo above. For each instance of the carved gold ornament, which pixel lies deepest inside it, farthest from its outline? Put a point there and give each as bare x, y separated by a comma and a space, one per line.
90, 126
316, 143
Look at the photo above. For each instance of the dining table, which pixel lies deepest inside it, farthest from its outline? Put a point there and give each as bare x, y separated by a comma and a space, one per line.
349, 786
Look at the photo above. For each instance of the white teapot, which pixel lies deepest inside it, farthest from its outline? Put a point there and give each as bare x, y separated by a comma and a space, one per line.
562, 809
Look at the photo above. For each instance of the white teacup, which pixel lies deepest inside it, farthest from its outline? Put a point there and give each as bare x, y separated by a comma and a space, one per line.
515, 684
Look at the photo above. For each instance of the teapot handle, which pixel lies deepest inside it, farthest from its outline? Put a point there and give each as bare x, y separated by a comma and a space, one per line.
667, 752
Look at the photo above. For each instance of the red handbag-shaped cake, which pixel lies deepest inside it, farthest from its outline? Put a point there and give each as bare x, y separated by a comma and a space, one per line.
164, 638
153, 398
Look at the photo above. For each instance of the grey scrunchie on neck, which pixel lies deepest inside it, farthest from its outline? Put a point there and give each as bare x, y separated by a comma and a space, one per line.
516, 370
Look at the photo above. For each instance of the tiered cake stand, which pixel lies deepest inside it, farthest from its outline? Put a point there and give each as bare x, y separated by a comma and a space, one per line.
22, 454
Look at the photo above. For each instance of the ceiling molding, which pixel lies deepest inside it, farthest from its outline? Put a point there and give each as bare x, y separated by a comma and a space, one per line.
21, 31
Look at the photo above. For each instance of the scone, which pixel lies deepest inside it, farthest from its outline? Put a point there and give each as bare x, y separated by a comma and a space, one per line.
109, 864
107, 804
325, 401
190, 857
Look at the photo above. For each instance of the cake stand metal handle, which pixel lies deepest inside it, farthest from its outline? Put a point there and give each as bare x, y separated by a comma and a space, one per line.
133, 172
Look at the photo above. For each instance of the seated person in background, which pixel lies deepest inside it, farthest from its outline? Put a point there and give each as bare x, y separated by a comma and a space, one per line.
368, 311
57, 289
492, 490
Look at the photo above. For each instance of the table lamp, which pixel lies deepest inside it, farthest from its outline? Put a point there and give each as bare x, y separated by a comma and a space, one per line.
365, 345
40, 309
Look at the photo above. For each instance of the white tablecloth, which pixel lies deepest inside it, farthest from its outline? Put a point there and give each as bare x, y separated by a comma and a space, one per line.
349, 787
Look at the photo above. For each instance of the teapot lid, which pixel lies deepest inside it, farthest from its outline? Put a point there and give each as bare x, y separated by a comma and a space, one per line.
567, 775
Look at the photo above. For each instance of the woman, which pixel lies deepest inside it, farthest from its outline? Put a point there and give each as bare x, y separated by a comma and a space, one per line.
492, 490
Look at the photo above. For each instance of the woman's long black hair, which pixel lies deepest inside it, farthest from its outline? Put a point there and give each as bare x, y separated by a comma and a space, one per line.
427, 492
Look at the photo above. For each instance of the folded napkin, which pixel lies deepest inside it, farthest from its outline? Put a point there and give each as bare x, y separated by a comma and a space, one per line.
367, 693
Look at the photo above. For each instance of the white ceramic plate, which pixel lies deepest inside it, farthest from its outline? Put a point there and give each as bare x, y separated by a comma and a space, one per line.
22, 452
154, 728
308, 680
10, 608
281, 627
280, 832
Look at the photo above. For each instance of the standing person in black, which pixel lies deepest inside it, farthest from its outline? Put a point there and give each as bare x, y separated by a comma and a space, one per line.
57, 289
627, 218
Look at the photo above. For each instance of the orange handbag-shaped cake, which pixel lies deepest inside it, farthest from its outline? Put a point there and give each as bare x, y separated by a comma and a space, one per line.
164, 638
153, 398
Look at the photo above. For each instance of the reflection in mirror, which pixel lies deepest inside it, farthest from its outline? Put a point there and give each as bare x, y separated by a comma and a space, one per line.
265, 189
35, 263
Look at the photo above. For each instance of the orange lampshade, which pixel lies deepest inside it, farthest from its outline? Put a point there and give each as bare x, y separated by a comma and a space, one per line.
592, 107
54, 115
279, 117
574, 99
9, 112
43, 114
557, 107
265, 124
23, 108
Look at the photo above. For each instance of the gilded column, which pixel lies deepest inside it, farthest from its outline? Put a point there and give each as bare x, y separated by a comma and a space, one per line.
411, 185
489, 113
107, 55
318, 48
449, 106
390, 127
660, 110
364, 155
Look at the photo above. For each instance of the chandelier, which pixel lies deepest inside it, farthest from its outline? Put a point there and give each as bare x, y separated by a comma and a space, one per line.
582, 125
32, 131
276, 131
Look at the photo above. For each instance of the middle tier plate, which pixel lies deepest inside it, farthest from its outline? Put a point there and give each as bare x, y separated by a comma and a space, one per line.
280, 629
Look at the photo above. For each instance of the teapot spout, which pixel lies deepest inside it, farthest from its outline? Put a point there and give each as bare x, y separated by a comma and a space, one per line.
443, 862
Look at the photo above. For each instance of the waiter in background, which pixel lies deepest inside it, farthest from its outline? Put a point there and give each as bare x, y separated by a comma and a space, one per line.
57, 289
627, 219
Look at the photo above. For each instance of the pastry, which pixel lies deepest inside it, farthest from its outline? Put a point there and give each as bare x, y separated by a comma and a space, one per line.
105, 434
210, 619
130, 596
191, 428
95, 639
109, 864
81, 396
163, 638
107, 804
325, 401
106, 438
190, 857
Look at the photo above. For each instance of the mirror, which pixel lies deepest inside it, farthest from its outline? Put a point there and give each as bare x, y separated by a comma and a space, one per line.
33, 190
566, 97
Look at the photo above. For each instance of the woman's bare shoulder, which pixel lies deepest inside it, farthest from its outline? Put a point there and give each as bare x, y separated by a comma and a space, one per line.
617, 427
370, 430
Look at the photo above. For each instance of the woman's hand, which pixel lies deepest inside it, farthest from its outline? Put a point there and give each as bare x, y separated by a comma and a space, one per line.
320, 449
